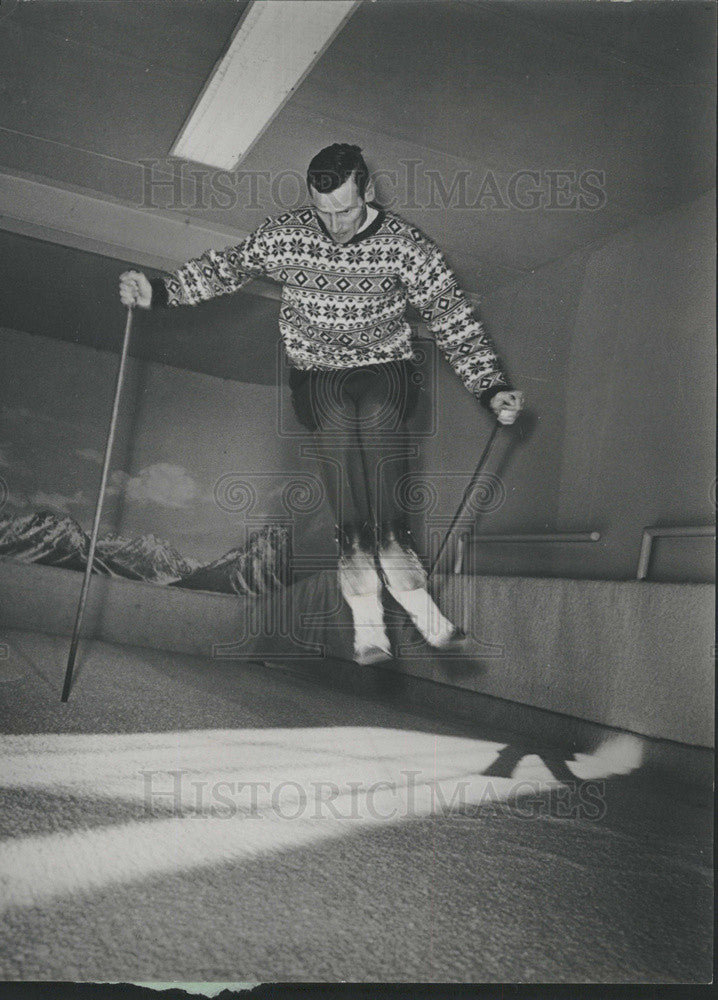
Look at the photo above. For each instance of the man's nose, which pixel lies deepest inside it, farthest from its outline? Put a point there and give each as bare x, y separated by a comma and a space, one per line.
333, 223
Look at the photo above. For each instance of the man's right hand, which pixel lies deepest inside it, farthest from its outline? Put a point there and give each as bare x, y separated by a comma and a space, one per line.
135, 290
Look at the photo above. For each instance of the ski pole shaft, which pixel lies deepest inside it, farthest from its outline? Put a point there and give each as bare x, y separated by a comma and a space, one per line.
466, 497
98, 510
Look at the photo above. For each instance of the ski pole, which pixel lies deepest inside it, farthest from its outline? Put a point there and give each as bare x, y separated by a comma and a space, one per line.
98, 510
466, 497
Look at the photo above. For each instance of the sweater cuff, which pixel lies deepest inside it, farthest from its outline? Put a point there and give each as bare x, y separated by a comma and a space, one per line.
487, 395
160, 299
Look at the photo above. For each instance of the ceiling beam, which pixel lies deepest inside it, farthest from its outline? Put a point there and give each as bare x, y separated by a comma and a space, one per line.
82, 220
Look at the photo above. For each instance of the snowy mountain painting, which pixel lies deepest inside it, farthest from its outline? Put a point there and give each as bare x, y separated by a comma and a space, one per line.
50, 539
259, 566
196, 495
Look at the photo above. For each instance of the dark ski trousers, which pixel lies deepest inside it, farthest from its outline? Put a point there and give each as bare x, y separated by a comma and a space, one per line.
358, 419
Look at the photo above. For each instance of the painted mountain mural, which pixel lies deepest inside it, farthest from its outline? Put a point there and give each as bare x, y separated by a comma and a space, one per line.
150, 557
260, 566
51, 539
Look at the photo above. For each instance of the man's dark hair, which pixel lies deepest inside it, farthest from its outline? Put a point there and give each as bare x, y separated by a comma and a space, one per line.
334, 165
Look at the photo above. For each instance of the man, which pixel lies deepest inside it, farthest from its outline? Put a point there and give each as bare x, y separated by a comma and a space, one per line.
348, 270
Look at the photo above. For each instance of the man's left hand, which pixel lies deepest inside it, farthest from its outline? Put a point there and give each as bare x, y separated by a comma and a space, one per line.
507, 405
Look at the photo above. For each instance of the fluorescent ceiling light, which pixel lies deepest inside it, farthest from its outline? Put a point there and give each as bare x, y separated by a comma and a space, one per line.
274, 46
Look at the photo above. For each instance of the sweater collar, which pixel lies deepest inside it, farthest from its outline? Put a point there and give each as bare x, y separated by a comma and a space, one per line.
363, 234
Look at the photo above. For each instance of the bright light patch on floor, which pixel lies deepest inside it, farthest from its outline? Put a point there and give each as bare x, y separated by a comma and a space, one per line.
219, 796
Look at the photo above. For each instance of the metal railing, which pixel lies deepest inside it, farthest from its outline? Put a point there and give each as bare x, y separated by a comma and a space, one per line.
533, 538
644, 559
674, 531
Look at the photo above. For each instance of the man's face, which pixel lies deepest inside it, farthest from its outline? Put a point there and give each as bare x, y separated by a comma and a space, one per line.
342, 211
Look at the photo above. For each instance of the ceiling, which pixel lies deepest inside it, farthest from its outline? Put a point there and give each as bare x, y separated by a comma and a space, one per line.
475, 90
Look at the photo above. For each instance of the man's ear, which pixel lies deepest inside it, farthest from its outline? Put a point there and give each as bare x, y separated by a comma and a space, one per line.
369, 191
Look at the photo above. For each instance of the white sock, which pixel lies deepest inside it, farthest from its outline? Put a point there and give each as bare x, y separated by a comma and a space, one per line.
407, 582
369, 629
361, 587
435, 628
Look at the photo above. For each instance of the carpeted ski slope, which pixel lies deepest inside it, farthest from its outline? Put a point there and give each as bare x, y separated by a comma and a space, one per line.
183, 819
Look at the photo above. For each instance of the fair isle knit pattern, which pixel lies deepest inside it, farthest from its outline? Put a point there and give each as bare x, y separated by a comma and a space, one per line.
343, 305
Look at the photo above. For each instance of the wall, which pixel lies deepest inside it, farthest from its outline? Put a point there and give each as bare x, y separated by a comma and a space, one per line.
532, 331
639, 447
607, 652
189, 450
615, 349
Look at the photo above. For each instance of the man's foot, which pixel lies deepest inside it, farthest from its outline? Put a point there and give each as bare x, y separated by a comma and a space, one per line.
370, 655
407, 583
455, 641
361, 587
437, 631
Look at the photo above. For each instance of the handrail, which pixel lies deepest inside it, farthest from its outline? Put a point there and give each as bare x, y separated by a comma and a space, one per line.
556, 536
672, 531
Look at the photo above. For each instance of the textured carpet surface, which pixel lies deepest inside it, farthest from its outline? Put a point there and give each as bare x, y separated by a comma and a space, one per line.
183, 819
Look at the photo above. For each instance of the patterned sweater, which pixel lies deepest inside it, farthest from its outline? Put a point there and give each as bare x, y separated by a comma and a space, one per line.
343, 305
